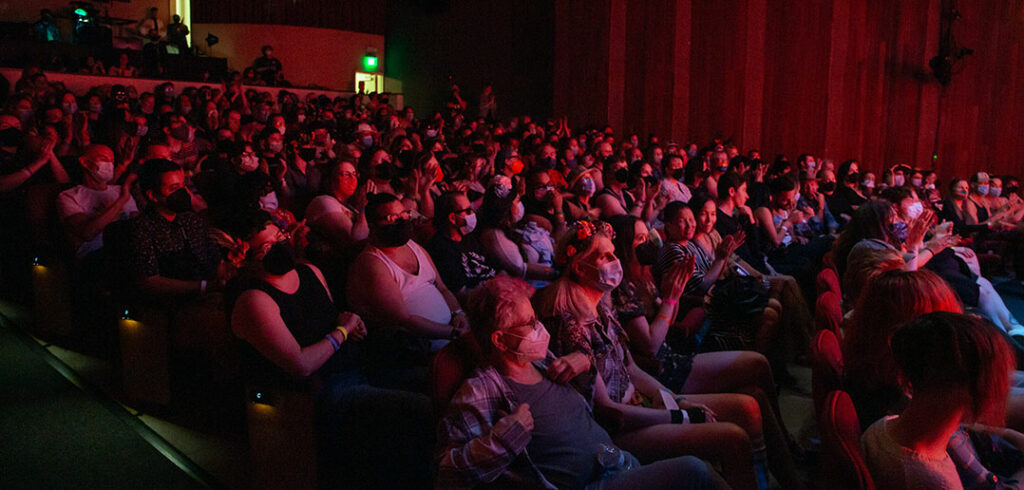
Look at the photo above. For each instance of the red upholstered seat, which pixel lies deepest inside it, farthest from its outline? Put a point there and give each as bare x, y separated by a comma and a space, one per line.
843, 465
828, 314
827, 367
449, 368
828, 280
828, 261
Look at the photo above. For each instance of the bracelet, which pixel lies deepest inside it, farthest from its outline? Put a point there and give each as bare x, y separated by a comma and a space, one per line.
663, 317
678, 416
458, 312
334, 343
671, 302
202, 287
344, 332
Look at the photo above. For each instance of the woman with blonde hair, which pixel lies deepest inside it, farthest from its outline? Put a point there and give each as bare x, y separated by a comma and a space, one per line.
657, 423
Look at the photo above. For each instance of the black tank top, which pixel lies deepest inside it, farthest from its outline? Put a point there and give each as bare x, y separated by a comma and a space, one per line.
625, 199
309, 315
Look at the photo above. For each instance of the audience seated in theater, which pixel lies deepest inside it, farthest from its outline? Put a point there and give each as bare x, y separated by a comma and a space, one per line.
282, 309
515, 419
577, 310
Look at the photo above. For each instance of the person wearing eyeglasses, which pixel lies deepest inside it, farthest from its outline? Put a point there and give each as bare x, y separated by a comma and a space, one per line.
455, 249
394, 283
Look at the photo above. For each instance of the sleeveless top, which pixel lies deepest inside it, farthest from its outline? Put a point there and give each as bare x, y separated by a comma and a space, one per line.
419, 291
309, 315
625, 199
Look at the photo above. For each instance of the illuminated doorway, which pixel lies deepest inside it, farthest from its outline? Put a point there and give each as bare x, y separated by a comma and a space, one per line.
368, 83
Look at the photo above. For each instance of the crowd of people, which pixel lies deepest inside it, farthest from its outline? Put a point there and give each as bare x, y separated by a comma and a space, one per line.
632, 305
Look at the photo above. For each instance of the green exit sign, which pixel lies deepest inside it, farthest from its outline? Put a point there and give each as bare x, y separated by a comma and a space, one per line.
370, 63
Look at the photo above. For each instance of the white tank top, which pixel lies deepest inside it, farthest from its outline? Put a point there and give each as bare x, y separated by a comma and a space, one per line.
419, 291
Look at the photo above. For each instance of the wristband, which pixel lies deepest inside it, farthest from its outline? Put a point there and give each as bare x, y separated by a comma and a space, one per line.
663, 317
344, 332
202, 287
678, 416
458, 312
334, 343
671, 302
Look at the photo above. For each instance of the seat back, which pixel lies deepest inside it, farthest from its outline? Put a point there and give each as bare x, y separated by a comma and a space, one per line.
843, 465
449, 368
827, 367
828, 280
828, 314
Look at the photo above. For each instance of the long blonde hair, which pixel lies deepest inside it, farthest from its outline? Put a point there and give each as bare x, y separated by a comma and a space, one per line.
566, 297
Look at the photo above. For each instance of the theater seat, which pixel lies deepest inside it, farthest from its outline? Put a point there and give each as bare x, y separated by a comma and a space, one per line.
827, 367
828, 260
828, 314
843, 465
449, 368
282, 443
828, 280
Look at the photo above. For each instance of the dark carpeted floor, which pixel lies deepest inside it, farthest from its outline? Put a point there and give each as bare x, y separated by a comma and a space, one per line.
55, 435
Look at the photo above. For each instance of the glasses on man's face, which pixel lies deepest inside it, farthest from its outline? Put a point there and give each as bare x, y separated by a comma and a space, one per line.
353, 175
249, 154
393, 217
466, 210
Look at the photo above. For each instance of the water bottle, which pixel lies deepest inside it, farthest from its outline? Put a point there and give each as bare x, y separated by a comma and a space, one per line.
610, 458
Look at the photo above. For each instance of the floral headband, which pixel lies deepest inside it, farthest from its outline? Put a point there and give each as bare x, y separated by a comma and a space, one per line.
581, 232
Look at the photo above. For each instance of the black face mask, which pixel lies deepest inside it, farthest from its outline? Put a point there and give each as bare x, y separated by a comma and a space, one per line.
678, 173
11, 137
547, 163
179, 201
280, 259
828, 187
396, 234
622, 175
651, 180
384, 171
647, 253
852, 178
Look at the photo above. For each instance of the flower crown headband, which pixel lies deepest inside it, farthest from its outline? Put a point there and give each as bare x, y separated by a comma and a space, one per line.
581, 232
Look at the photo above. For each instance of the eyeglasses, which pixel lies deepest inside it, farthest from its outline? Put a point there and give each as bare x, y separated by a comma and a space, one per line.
460, 211
354, 175
391, 218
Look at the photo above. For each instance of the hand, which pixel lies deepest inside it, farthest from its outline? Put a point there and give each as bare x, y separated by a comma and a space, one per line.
709, 415
280, 170
674, 283
555, 196
460, 323
126, 187
353, 324
641, 189
522, 415
729, 245
653, 191
918, 227
567, 367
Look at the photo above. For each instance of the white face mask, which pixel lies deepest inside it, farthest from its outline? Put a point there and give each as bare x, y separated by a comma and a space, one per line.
469, 226
915, 182
533, 347
868, 184
269, 202
609, 275
518, 212
104, 171
915, 210
897, 180
995, 191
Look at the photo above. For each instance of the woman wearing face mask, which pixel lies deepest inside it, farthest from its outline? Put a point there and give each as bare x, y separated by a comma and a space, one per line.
499, 217
959, 267
582, 186
966, 215
577, 310
293, 331
878, 233
515, 421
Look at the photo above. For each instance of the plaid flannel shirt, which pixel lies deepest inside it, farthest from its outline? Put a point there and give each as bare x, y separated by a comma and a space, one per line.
477, 444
